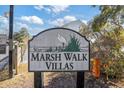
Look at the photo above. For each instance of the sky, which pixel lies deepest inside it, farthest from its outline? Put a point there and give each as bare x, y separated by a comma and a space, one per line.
38, 18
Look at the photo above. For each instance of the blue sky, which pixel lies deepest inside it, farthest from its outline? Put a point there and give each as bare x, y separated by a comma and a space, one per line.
38, 18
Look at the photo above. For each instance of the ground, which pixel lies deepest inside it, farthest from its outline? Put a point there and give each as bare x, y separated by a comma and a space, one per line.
52, 80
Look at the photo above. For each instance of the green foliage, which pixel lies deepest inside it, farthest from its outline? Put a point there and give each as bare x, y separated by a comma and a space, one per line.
73, 44
115, 70
110, 21
21, 35
109, 50
108, 13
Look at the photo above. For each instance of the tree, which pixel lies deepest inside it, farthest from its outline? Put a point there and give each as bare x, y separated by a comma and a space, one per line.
110, 22
109, 15
108, 32
22, 37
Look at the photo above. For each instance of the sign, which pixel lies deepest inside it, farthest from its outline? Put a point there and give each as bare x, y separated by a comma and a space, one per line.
59, 49
2, 49
3, 39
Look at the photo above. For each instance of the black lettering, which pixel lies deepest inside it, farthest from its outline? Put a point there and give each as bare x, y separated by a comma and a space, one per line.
66, 66
71, 65
60, 65
47, 57
84, 57
68, 56
58, 57
42, 57
35, 57
79, 58
52, 57
55, 65
74, 57
48, 64
52, 65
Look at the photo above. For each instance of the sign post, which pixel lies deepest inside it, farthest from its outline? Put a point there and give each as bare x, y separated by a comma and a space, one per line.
59, 49
11, 41
37, 80
80, 79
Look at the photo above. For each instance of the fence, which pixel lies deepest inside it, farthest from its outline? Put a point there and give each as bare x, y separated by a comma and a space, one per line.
4, 62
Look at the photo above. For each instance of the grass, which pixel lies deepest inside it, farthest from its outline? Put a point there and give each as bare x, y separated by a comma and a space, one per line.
4, 74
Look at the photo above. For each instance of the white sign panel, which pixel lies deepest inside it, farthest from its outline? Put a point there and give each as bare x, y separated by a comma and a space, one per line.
59, 49
3, 39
